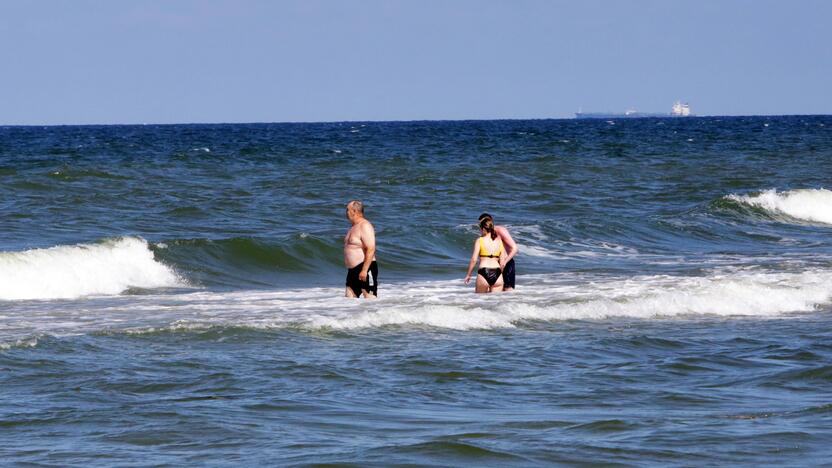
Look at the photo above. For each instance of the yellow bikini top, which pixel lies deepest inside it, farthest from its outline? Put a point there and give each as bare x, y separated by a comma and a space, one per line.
485, 253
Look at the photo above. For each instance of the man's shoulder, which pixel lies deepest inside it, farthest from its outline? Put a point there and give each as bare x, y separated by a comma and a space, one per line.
366, 225
501, 229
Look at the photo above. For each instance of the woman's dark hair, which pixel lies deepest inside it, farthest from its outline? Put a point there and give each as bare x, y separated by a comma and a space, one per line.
488, 226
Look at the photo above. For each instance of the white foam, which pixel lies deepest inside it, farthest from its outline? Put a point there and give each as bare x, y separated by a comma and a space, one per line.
72, 271
726, 292
531, 250
645, 297
29, 342
813, 205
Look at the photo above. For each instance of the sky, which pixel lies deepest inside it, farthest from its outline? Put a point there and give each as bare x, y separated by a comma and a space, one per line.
194, 61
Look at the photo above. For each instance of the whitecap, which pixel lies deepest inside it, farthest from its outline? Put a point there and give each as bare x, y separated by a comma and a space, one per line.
447, 304
813, 205
72, 271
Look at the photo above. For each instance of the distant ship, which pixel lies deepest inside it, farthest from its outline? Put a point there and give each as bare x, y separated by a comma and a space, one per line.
678, 110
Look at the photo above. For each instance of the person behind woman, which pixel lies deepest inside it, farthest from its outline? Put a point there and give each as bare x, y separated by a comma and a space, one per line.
488, 248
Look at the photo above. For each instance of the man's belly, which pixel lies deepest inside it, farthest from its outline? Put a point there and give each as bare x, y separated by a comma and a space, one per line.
353, 257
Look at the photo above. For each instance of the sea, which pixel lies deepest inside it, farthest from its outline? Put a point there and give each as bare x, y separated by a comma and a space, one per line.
173, 294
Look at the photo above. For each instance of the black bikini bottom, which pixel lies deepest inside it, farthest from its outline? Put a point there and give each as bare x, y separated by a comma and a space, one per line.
491, 275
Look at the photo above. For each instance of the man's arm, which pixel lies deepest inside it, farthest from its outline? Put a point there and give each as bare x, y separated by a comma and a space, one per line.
509, 243
368, 244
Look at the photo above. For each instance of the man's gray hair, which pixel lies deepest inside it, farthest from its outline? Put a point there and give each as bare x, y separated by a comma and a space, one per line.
357, 206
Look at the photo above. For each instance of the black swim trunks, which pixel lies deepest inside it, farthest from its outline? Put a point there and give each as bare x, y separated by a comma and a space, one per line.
508, 274
491, 275
370, 285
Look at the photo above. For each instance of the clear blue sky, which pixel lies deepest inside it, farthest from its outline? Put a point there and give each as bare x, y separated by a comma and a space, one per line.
169, 61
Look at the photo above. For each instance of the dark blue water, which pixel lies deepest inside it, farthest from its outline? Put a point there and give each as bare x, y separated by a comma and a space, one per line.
171, 294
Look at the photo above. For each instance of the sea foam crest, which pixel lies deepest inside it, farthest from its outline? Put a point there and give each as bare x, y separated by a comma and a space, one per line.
813, 205
447, 304
435, 304
754, 294
71, 271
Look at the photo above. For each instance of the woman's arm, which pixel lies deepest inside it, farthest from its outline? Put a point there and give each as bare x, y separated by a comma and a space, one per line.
474, 257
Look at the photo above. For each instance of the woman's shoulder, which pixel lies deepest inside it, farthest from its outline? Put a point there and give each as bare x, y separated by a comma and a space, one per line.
491, 241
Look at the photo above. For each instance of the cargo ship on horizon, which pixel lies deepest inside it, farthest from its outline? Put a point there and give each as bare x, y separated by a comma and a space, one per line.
678, 110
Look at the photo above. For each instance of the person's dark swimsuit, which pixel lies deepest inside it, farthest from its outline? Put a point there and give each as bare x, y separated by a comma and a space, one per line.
370, 285
491, 275
508, 274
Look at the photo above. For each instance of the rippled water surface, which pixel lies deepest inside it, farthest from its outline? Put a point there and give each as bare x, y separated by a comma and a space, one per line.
171, 294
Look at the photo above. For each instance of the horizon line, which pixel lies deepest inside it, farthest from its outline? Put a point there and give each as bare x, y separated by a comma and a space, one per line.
395, 120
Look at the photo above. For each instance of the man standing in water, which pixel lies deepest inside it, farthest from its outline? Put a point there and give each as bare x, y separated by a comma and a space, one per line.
360, 254
507, 265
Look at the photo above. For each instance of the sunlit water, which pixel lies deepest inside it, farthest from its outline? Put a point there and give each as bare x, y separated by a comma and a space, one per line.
172, 294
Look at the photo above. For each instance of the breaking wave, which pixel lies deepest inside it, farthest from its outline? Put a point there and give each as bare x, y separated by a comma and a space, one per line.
809, 205
646, 297
440, 304
71, 271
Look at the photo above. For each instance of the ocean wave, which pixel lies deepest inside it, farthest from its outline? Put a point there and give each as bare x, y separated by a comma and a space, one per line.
76, 173
440, 304
246, 262
300, 252
71, 271
646, 297
29, 342
304, 257
561, 244
807, 205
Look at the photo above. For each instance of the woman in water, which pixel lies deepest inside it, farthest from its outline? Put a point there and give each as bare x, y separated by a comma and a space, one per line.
488, 248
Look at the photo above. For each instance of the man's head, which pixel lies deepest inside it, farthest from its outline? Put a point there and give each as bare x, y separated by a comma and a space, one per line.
355, 209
